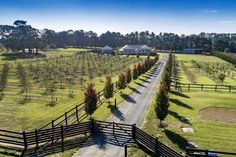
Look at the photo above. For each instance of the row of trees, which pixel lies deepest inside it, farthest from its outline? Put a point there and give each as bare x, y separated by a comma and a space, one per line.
139, 69
124, 78
162, 100
226, 57
20, 36
215, 71
4, 78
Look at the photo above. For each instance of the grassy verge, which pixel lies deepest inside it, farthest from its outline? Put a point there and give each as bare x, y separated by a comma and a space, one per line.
208, 134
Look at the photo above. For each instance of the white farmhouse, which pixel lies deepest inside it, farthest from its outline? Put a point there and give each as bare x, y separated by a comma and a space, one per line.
135, 49
107, 50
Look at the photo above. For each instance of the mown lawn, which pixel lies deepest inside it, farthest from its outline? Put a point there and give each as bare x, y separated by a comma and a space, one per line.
208, 134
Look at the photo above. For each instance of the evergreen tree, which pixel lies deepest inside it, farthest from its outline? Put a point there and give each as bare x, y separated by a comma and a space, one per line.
128, 75
121, 81
108, 90
90, 100
135, 72
162, 104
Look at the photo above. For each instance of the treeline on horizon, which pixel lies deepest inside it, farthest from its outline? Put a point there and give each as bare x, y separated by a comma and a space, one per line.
20, 36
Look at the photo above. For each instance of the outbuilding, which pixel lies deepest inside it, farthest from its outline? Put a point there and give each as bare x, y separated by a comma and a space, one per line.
107, 50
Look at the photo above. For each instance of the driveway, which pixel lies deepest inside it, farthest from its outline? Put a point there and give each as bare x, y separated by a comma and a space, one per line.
131, 111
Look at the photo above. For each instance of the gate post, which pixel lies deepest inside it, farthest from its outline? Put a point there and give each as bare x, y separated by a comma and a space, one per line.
25, 140
92, 126
36, 138
126, 152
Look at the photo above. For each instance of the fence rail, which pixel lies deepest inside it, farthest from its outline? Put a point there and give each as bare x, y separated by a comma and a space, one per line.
202, 87
205, 153
11, 139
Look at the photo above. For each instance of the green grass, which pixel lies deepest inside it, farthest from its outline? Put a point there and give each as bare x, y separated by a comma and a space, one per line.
208, 134
17, 114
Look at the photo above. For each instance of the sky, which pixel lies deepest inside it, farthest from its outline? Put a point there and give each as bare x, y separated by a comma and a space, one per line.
125, 16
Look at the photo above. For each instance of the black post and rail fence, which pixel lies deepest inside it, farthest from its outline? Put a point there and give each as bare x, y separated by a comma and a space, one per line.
62, 134
203, 87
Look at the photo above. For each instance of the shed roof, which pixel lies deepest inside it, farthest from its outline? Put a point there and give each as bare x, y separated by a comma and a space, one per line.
107, 48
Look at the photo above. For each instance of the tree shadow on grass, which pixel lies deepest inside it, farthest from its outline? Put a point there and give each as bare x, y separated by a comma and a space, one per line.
134, 90
179, 94
128, 98
116, 112
177, 139
180, 103
144, 80
140, 84
177, 116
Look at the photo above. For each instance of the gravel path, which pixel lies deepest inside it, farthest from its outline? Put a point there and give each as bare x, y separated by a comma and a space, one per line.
131, 111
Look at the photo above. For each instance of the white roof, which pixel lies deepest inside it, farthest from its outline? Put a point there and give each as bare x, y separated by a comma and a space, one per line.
107, 48
135, 47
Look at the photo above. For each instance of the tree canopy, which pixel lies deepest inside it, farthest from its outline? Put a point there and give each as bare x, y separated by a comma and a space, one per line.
20, 35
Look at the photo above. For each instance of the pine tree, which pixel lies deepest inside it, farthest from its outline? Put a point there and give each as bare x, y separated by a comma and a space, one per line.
90, 100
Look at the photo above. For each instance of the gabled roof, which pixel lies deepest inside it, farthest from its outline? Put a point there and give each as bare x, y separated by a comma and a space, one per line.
135, 47
107, 48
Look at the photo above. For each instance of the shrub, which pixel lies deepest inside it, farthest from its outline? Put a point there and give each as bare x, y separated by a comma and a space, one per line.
90, 100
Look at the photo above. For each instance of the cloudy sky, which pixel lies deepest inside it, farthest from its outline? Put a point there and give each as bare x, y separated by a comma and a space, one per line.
177, 16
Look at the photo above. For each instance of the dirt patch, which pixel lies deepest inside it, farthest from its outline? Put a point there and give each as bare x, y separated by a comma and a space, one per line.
220, 114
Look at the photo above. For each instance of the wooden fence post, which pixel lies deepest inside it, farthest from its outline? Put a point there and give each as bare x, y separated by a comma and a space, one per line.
36, 138
113, 128
52, 131
62, 138
77, 114
25, 140
202, 87
115, 102
230, 88
98, 95
66, 118
133, 131
126, 152
188, 87
215, 87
